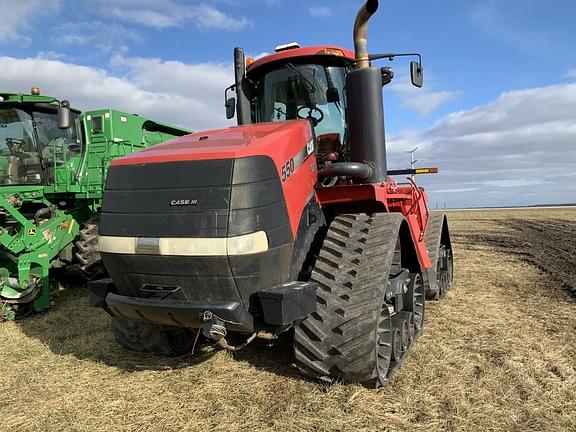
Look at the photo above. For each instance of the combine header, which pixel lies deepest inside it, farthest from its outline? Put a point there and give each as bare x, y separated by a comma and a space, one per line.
53, 163
290, 221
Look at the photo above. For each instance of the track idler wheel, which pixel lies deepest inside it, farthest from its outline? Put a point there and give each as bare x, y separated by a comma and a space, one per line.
438, 280
397, 349
386, 340
444, 270
414, 301
408, 318
401, 337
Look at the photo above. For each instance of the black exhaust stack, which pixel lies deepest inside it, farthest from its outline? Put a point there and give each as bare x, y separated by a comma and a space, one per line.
365, 103
243, 112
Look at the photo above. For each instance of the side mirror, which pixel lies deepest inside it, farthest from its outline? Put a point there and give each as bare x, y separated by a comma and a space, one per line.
387, 74
230, 107
416, 74
64, 115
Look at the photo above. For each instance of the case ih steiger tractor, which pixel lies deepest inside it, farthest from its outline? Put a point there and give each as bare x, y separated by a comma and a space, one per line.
53, 163
289, 221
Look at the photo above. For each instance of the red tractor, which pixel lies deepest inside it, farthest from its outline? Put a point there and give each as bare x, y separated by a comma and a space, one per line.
289, 221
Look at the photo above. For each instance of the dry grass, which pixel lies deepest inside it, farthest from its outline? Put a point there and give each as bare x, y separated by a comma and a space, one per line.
499, 353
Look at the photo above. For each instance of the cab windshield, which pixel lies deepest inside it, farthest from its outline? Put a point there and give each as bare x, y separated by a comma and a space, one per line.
30, 140
305, 91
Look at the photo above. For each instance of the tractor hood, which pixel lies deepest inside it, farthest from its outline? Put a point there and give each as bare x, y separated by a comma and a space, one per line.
230, 143
214, 213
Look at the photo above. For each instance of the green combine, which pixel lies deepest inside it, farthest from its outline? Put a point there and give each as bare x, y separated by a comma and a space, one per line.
53, 165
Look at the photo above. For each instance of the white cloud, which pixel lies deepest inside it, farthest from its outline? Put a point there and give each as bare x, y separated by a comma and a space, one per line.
106, 37
207, 17
190, 95
53, 55
161, 14
407, 140
18, 15
519, 149
423, 100
204, 82
514, 110
571, 74
320, 11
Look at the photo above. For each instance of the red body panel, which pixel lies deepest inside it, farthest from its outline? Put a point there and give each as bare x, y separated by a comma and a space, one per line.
281, 141
408, 199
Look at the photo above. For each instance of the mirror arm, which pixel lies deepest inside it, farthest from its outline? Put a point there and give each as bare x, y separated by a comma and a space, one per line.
391, 56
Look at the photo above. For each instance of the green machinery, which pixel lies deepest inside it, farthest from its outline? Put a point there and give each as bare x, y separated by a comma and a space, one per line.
53, 165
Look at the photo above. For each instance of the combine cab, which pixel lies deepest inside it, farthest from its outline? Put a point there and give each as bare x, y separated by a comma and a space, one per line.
53, 163
291, 220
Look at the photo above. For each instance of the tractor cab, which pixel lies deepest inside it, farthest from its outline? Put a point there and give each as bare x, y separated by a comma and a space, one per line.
32, 137
338, 91
302, 83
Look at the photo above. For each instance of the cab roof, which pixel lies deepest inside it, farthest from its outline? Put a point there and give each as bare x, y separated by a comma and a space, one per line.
26, 98
296, 53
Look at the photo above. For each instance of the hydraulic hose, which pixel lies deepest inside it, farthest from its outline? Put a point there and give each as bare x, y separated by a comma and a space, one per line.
223, 343
40, 213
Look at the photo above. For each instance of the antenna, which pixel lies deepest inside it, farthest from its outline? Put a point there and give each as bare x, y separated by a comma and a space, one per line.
412, 160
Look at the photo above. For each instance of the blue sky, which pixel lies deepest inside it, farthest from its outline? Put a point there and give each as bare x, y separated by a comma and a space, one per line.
497, 113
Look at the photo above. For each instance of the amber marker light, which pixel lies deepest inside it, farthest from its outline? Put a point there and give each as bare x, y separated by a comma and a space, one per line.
426, 171
35, 91
332, 51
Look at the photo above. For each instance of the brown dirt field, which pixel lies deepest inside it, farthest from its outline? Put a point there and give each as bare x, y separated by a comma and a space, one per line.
497, 354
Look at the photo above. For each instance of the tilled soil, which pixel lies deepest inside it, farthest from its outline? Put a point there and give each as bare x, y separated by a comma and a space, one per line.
497, 354
547, 243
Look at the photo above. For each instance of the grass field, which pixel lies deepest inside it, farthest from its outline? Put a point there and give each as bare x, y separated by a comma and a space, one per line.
498, 353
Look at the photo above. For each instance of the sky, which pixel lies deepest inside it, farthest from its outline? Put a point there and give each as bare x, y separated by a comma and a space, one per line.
496, 115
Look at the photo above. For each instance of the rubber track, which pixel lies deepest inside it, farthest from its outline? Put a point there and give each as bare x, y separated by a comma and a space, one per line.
339, 341
88, 252
432, 240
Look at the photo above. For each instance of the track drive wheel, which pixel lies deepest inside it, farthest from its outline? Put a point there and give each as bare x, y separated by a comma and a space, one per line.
145, 337
353, 335
439, 247
87, 250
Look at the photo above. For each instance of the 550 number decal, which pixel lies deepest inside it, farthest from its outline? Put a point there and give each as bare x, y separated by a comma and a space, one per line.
288, 169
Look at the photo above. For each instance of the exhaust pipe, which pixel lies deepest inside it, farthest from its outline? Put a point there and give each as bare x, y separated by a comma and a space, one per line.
365, 104
346, 169
361, 31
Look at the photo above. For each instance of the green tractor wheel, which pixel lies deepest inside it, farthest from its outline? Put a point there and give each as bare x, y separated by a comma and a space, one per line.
87, 251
